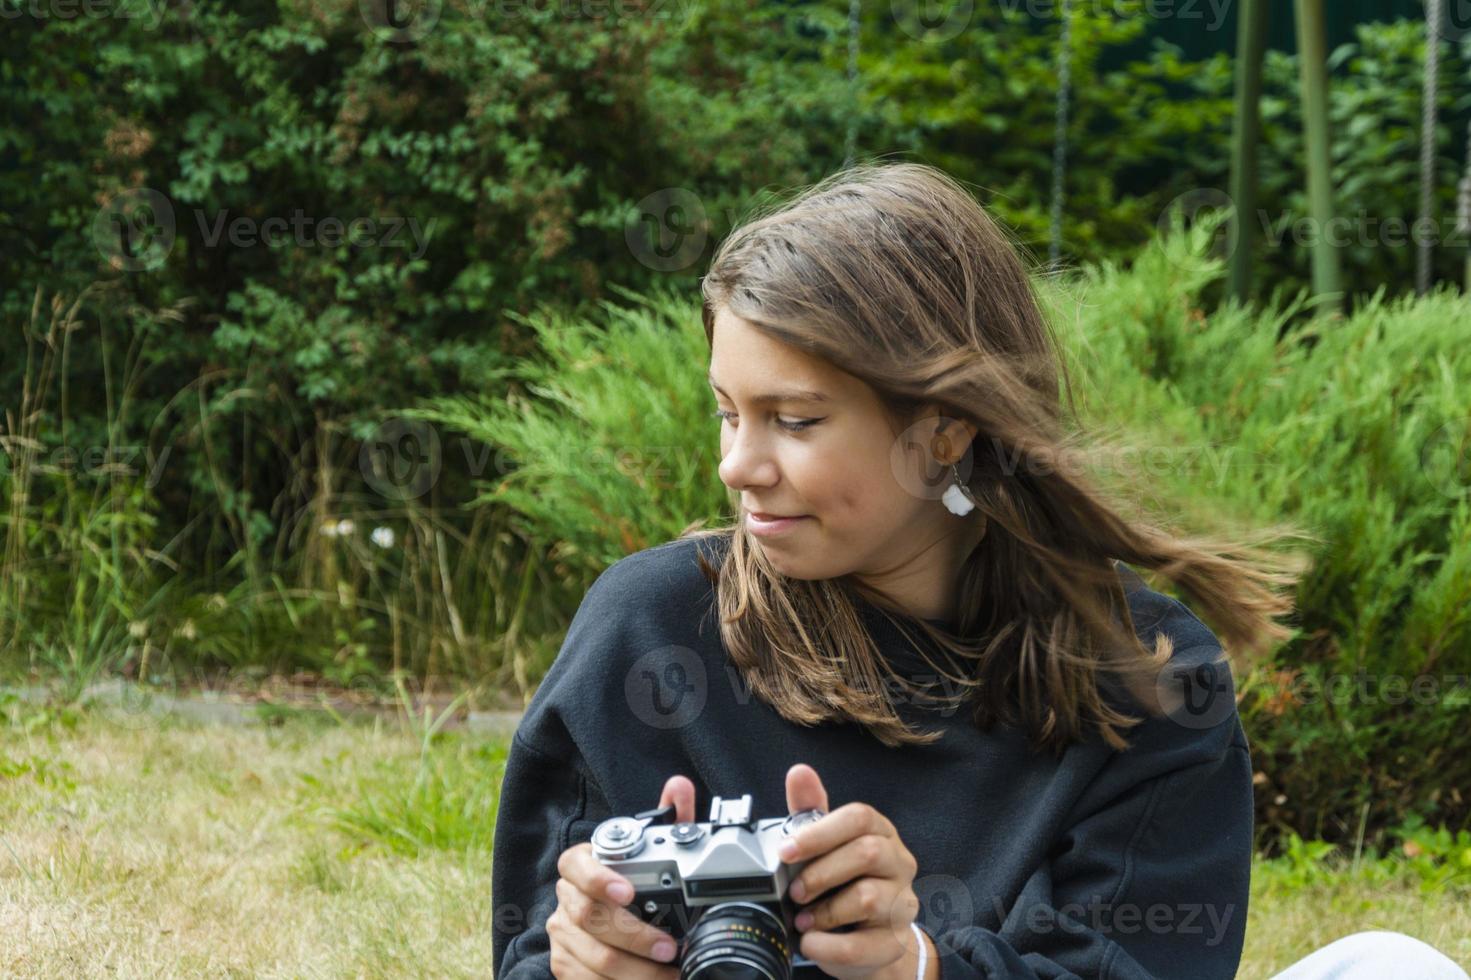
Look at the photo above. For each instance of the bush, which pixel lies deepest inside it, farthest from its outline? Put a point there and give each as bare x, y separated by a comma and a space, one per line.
1356, 430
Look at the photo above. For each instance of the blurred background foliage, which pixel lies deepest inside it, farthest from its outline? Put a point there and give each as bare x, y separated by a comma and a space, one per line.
367, 461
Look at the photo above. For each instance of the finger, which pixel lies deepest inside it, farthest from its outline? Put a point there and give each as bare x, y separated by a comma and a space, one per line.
680, 792
804, 789
613, 926
867, 856
843, 824
859, 951
578, 865
602, 960
865, 902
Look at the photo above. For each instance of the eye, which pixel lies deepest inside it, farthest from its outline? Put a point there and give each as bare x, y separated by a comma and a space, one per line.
793, 426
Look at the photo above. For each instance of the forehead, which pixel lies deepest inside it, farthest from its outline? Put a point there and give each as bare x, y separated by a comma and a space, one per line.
742, 355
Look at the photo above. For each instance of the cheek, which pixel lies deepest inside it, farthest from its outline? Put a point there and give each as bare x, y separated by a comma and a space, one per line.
849, 488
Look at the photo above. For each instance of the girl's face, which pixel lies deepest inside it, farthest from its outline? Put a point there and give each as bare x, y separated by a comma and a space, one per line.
801, 438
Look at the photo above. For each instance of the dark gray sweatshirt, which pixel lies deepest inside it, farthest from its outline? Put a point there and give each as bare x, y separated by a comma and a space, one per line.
1098, 864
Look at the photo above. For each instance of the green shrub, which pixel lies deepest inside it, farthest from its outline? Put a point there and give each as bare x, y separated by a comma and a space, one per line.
1358, 430
1355, 430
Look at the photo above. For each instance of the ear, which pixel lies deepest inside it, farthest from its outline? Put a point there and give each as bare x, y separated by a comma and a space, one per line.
951, 435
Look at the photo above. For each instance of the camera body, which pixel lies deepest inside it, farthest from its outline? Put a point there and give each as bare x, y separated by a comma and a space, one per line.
717, 887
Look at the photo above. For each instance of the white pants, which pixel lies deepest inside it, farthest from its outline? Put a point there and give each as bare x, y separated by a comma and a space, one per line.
1373, 956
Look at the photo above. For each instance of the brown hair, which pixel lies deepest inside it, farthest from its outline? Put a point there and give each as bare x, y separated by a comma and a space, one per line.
895, 274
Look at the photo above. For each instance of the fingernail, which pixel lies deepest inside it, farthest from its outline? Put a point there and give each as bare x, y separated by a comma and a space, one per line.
663, 951
787, 851
804, 920
799, 890
621, 892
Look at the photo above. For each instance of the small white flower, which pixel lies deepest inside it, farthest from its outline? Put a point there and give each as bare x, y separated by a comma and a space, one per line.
383, 537
186, 630
138, 629
336, 529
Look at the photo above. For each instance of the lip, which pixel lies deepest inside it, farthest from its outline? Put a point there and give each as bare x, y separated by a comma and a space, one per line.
768, 528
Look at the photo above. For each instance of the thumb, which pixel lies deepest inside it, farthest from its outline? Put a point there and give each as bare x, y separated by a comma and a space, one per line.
680, 792
804, 789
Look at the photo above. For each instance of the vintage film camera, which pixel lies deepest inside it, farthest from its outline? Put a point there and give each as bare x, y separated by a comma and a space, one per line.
718, 888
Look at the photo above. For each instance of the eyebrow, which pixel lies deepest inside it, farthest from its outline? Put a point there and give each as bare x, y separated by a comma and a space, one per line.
776, 397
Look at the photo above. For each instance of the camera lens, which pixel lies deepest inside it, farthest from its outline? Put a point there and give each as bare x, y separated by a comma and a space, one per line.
737, 941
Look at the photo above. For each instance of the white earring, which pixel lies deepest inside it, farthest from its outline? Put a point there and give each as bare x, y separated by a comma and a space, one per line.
958, 499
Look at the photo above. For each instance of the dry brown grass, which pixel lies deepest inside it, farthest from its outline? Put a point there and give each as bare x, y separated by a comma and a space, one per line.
168, 849
191, 852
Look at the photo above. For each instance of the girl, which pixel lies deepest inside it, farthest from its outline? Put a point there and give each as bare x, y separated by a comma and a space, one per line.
925, 623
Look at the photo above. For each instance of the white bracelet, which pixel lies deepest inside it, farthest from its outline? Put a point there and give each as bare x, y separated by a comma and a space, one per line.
924, 951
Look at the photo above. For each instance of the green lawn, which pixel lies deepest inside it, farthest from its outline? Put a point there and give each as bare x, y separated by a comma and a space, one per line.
146, 847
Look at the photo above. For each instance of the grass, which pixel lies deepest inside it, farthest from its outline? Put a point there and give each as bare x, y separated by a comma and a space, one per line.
175, 850
162, 848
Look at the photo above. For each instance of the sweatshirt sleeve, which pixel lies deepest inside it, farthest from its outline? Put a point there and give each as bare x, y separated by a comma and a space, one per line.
544, 809
549, 798
1151, 878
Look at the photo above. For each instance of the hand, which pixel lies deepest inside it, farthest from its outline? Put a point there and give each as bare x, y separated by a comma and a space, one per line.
592, 934
858, 871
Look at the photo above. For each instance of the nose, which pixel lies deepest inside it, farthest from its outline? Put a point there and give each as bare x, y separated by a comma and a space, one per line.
747, 461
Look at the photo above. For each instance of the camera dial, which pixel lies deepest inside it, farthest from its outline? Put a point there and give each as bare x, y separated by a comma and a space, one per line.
618, 838
686, 833
800, 819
